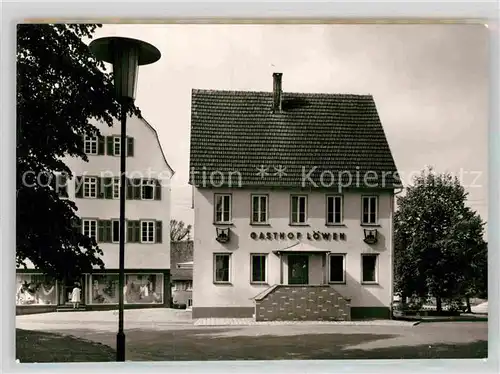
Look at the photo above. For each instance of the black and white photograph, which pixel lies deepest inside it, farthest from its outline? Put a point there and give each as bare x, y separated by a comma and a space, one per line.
251, 191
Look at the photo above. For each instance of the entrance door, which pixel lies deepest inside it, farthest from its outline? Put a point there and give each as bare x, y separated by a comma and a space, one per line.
298, 269
67, 290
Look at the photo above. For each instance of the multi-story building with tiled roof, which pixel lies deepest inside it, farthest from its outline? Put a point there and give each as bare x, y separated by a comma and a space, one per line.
293, 202
95, 190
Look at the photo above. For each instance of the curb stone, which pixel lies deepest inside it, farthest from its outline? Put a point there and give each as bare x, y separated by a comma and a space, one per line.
251, 322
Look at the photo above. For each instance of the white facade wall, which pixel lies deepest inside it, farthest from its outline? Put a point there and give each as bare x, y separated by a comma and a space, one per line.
147, 161
240, 291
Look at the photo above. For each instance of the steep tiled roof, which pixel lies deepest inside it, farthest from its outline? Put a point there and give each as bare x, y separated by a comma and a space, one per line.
329, 134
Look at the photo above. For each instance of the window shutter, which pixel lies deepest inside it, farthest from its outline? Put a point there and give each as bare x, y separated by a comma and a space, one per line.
63, 187
100, 188
158, 228
130, 189
77, 224
130, 147
52, 180
109, 144
157, 190
100, 145
137, 189
137, 231
100, 231
79, 187
130, 231
108, 188
107, 231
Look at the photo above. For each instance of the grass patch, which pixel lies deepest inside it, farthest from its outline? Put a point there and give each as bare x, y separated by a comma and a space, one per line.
477, 349
37, 346
186, 345
214, 344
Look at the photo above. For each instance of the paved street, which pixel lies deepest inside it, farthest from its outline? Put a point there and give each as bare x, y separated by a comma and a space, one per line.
171, 335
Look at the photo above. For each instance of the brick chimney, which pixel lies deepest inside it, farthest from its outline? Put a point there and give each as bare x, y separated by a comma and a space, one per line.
277, 92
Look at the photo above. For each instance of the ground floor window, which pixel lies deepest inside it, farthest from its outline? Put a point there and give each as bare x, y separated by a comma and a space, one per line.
337, 268
35, 289
144, 288
104, 289
258, 268
138, 289
369, 268
222, 263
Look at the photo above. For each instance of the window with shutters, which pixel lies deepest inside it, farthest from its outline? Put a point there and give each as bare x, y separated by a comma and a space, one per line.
147, 231
90, 187
259, 209
298, 209
334, 210
336, 264
90, 145
114, 146
148, 189
116, 188
222, 208
89, 228
370, 207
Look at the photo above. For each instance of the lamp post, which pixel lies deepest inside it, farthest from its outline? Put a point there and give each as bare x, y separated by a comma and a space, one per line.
126, 55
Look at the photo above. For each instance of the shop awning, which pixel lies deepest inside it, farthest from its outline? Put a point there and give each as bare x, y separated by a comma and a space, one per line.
302, 248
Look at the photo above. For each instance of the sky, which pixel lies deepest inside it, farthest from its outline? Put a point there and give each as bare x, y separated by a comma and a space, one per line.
430, 84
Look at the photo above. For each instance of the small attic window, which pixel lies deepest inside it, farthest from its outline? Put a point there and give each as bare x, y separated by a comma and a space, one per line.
294, 103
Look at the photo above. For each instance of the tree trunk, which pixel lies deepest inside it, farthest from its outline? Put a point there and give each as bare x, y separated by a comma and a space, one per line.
439, 306
467, 301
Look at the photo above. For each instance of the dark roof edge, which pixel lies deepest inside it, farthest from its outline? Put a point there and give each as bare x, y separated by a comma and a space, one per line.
388, 187
385, 135
326, 94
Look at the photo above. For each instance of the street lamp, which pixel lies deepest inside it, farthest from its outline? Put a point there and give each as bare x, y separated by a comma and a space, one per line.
126, 55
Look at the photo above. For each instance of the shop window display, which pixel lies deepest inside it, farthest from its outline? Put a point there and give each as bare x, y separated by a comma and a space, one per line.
35, 289
104, 289
139, 289
143, 288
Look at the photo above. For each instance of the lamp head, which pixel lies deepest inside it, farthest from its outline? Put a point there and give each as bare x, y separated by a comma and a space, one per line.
126, 55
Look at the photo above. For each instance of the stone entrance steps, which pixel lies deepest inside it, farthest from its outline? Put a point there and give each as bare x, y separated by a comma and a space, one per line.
69, 308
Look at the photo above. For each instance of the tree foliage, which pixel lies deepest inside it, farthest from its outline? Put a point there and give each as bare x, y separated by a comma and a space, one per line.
439, 246
60, 87
179, 231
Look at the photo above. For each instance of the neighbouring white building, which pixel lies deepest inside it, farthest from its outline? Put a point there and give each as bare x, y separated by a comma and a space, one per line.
293, 203
147, 248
